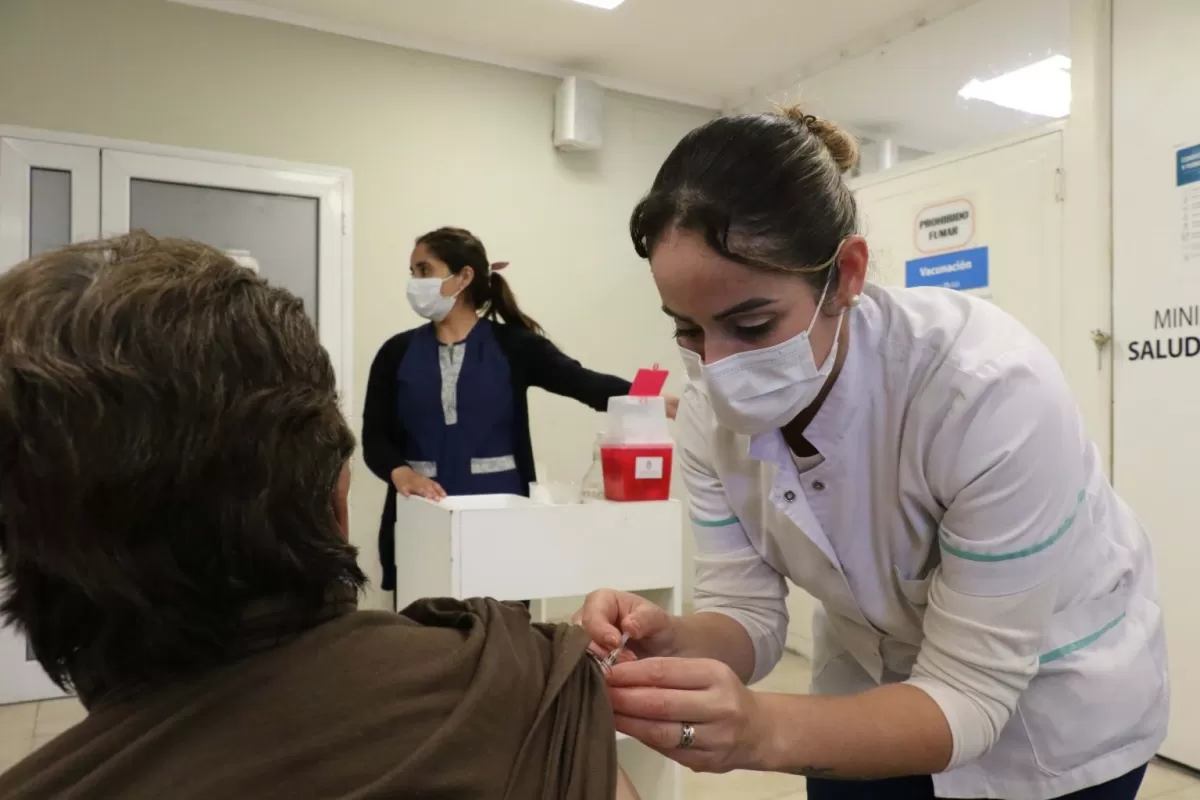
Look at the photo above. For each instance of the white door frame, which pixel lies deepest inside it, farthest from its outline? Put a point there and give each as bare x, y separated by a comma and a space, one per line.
29, 148
336, 290
120, 167
928, 162
22, 680
18, 158
1091, 381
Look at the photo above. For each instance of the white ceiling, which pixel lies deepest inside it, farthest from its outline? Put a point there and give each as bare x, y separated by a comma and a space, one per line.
908, 90
882, 67
704, 52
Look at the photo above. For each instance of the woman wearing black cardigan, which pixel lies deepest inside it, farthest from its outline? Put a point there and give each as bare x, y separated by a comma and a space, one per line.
446, 409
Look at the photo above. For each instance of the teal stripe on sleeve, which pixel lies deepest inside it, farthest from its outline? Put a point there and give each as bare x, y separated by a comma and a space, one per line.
1066, 650
1024, 552
718, 523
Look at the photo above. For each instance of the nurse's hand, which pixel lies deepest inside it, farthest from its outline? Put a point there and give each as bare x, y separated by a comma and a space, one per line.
410, 483
672, 403
655, 698
607, 614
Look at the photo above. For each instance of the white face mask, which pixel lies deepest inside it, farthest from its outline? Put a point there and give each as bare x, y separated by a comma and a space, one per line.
761, 390
426, 298
693, 365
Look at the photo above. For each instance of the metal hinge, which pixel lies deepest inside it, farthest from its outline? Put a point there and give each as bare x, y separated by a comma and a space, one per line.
1060, 185
343, 223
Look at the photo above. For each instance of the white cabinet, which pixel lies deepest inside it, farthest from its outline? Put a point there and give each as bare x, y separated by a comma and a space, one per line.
514, 549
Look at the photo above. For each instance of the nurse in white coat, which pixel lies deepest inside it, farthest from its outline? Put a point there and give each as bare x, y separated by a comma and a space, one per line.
913, 459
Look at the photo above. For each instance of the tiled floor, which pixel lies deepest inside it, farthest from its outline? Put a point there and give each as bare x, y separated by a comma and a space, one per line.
25, 728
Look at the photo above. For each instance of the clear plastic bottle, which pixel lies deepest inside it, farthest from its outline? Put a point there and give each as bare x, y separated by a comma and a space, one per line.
591, 488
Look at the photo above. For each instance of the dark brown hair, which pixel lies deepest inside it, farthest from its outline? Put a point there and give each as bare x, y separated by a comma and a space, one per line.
488, 291
170, 441
764, 190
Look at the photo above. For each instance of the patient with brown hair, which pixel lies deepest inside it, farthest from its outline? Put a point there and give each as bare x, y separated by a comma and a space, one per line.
173, 536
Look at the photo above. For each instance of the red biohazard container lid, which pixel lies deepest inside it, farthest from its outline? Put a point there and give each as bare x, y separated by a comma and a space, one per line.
648, 382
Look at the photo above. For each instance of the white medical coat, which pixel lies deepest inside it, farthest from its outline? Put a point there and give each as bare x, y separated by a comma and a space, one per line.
960, 535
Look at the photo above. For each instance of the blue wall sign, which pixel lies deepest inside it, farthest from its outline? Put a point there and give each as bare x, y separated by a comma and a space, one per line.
962, 269
1187, 165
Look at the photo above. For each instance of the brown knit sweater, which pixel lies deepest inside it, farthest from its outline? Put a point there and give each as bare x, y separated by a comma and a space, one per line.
451, 699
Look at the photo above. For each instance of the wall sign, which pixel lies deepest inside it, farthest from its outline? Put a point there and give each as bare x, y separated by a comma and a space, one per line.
1187, 165
945, 226
963, 270
1176, 335
1187, 183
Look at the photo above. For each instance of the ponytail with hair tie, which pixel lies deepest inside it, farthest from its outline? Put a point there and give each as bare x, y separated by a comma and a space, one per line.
503, 303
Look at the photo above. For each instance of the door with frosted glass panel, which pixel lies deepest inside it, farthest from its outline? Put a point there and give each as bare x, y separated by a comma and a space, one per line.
49, 197
286, 224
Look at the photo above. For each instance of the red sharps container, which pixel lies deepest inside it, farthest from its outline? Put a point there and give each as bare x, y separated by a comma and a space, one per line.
637, 450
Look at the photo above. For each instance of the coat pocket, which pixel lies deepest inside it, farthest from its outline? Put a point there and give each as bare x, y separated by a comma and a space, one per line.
1101, 684
915, 590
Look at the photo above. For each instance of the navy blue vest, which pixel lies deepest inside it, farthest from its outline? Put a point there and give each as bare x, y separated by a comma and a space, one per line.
472, 453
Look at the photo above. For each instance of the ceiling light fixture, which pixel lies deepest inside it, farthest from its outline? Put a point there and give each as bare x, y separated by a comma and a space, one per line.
607, 5
1043, 88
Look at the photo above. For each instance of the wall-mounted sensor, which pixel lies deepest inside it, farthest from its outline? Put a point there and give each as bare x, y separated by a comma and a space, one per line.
578, 115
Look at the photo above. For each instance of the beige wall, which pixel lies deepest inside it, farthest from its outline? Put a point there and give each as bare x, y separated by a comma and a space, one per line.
431, 141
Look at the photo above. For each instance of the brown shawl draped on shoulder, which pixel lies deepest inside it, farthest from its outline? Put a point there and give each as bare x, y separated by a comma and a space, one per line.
449, 699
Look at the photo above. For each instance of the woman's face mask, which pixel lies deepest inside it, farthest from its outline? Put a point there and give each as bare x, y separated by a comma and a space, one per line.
426, 298
760, 390
757, 339
429, 277
693, 364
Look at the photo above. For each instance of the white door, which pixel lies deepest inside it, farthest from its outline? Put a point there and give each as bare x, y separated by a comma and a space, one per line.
1156, 320
288, 223
929, 226
989, 222
49, 197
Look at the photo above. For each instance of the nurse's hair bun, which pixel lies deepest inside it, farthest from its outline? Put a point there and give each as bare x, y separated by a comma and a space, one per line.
767, 191
842, 145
